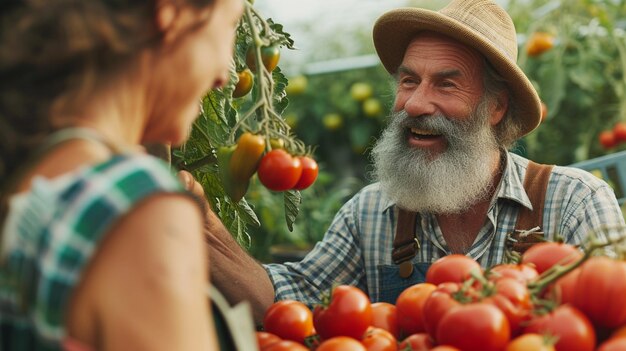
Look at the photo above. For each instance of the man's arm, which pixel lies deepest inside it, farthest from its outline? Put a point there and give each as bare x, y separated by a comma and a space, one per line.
237, 275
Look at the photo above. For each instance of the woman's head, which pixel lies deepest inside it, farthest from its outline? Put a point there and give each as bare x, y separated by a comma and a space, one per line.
56, 54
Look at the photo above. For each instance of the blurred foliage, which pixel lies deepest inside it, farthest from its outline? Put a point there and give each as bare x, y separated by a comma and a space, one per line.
581, 79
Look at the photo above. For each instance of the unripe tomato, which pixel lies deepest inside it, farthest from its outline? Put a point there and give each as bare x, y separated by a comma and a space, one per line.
360, 91
332, 121
297, 85
607, 139
244, 84
539, 43
309, 173
246, 156
372, 107
279, 171
269, 54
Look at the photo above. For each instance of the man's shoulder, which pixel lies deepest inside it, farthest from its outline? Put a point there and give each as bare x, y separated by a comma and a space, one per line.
562, 175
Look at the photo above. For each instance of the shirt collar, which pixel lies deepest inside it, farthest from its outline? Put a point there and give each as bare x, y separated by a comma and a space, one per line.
511, 185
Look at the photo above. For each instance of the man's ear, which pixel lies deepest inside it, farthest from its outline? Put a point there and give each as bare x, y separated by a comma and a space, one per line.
166, 13
499, 108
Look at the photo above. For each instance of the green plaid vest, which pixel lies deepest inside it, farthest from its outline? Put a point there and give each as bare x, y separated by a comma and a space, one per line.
51, 234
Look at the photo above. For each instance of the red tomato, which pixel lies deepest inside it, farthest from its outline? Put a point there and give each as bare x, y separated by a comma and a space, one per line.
385, 316
444, 348
349, 313
513, 298
410, 304
286, 345
572, 327
564, 289
452, 268
265, 339
341, 343
437, 305
530, 342
607, 139
417, 342
600, 291
377, 339
309, 173
544, 255
474, 327
521, 272
619, 131
279, 171
613, 344
289, 319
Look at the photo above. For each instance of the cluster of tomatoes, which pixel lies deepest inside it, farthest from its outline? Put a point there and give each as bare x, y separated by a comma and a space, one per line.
277, 169
612, 137
555, 298
270, 55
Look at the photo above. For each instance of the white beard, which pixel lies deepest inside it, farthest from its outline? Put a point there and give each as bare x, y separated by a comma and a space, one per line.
447, 183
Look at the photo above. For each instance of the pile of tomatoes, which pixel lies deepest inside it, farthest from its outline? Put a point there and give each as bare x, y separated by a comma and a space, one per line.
554, 298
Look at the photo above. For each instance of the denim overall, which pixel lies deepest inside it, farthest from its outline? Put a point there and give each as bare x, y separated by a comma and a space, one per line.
395, 278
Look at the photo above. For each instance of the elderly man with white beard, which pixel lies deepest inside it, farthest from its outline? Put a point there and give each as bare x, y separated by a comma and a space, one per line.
445, 182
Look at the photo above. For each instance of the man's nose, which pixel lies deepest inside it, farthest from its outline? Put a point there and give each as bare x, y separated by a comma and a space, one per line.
420, 103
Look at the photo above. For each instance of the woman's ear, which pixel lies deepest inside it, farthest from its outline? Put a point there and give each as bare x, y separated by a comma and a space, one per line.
501, 104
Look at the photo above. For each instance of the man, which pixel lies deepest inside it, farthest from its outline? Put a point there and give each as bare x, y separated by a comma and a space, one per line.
443, 173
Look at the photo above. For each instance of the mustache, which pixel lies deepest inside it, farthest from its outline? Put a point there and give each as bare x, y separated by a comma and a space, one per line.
451, 129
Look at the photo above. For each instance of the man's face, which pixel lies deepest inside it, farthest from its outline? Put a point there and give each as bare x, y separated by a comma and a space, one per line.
438, 75
438, 152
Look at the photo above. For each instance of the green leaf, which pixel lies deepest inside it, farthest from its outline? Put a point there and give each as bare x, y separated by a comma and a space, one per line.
292, 199
246, 212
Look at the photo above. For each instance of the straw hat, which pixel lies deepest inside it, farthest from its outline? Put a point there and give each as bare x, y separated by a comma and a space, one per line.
480, 24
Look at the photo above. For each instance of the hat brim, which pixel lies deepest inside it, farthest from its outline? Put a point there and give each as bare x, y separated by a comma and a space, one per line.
394, 30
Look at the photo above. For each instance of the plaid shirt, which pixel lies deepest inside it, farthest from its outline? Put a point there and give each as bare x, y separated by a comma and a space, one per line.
360, 239
50, 236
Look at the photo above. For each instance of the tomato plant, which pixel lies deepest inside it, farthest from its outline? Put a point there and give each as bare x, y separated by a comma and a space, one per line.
385, 316
346, 312
309, 173
279, 171
270, 55
410, 305
451, 268
245, 81
572, 328
289, 319
544, 255
531, 342
599, 291
484, 328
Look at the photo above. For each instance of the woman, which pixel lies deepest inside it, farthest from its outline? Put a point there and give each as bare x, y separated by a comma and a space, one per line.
101, 246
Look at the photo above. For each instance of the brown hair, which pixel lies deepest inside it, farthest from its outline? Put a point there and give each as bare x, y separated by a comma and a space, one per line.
50, 52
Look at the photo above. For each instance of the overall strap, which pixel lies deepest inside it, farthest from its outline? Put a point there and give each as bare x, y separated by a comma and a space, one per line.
528, 229
405, 243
